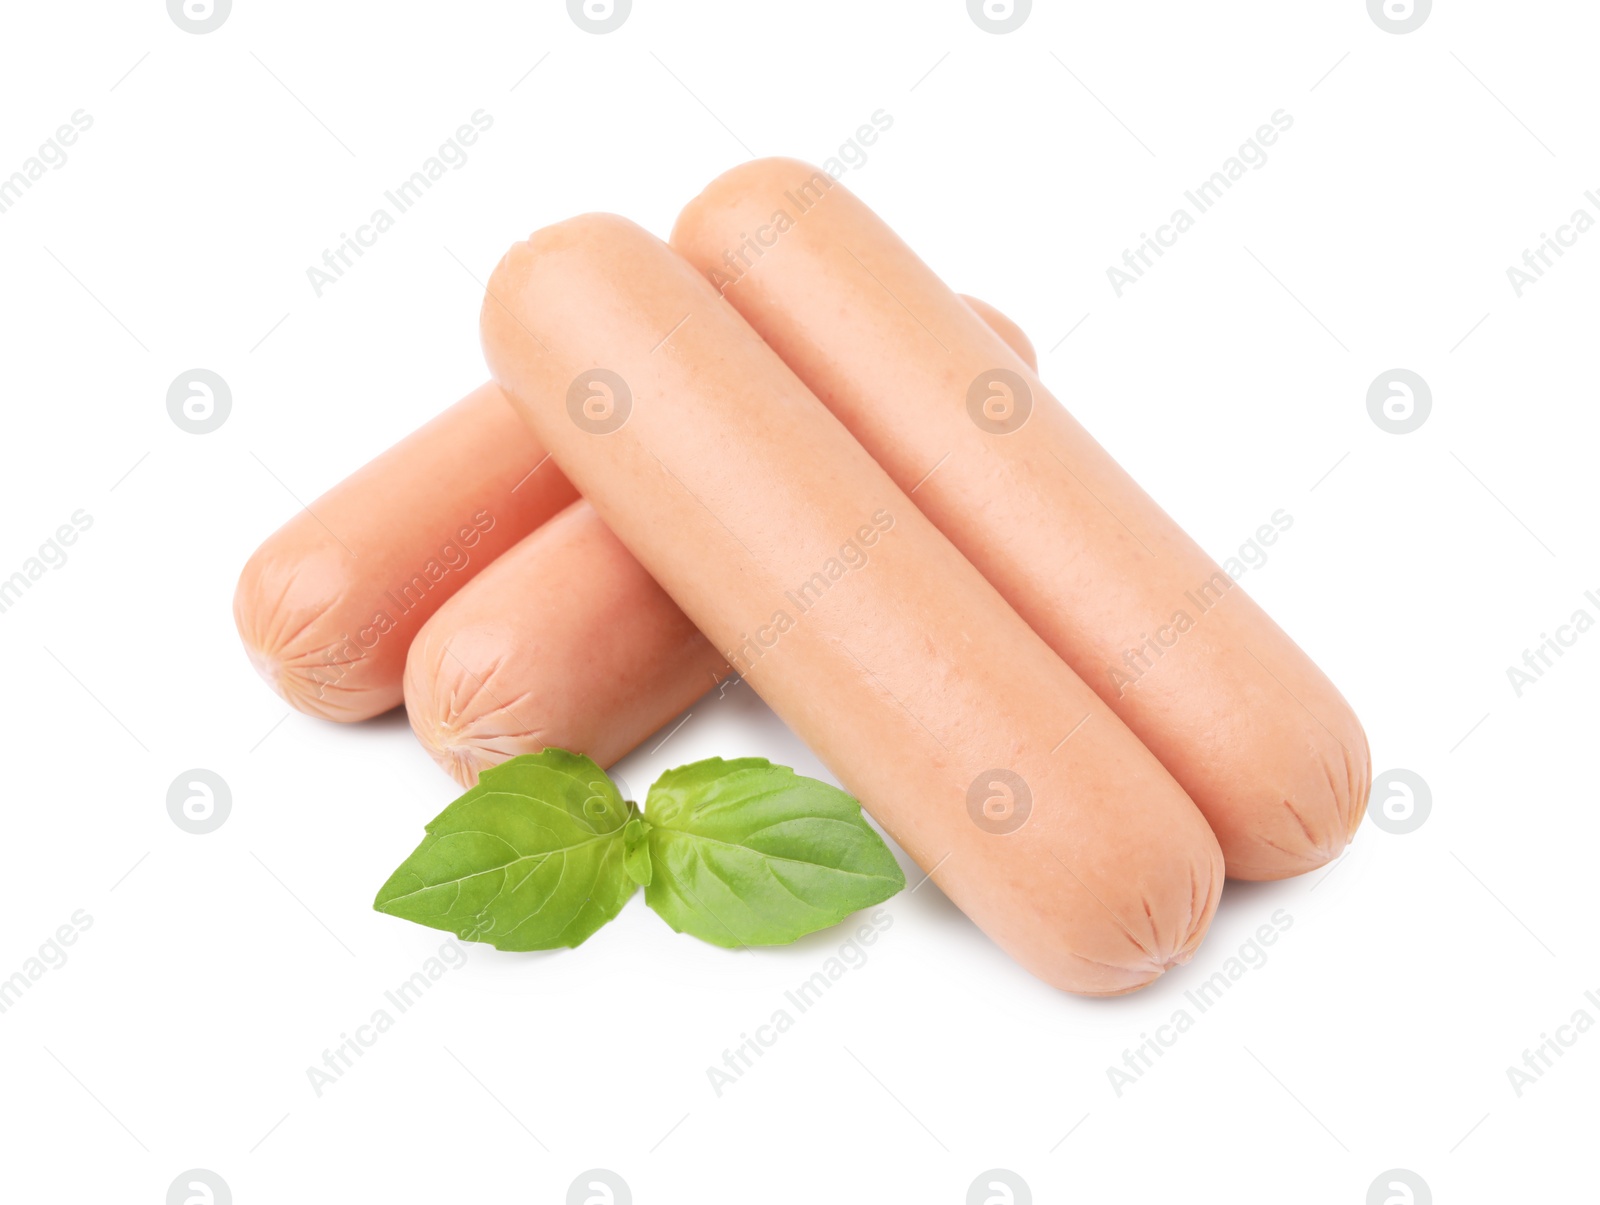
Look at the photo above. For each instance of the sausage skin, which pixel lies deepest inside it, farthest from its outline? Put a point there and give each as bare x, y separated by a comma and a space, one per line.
565, 640
1258, 736
983, 755
1016, 338
328, 605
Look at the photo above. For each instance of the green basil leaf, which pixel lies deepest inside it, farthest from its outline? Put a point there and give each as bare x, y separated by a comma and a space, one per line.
529, 859
745, 853
636, 855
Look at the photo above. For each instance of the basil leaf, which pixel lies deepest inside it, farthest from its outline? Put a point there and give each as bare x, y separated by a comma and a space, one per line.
745, 853
636, 847
529, 859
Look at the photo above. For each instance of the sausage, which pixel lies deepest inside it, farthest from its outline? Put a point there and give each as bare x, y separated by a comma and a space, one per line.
1016, 338
328, 605
565, 640
1257, 735
982, 754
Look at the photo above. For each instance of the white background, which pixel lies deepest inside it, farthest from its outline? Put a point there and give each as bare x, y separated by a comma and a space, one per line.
1231, 382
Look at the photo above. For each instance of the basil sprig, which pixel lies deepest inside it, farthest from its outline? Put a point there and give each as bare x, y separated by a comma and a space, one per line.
532, 858
745, 853
544, 851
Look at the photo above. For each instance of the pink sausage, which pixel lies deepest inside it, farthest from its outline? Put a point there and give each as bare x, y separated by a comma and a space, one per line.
1255, 732
565, 640
328, 605
982, 754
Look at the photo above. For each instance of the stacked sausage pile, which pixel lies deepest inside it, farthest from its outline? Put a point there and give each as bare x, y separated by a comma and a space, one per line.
799, 452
